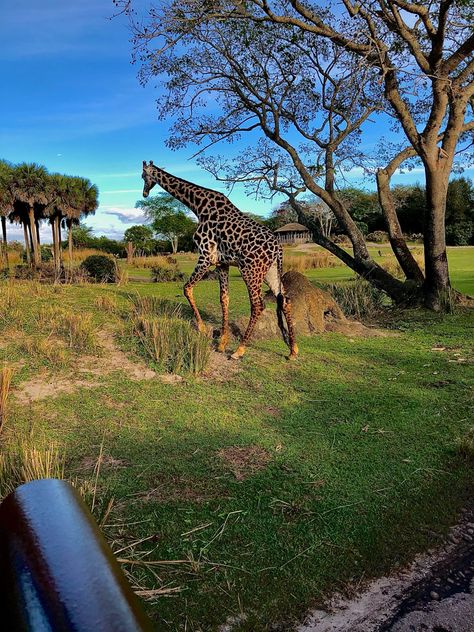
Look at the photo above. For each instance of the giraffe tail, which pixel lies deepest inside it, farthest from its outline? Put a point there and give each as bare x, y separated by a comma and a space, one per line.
281, 301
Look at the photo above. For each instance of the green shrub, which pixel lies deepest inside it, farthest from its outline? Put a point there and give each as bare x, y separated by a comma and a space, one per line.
378, 236
100, 268
166, 272
460, 234
358, 298
172, 343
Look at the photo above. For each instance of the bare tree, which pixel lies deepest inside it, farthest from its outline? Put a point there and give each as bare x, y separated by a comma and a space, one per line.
266, 65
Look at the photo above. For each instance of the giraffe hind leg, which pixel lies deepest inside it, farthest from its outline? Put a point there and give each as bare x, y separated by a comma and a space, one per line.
254, 286
274, 282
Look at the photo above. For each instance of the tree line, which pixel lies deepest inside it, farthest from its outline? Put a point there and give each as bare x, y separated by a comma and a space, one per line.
31, 196
410, 202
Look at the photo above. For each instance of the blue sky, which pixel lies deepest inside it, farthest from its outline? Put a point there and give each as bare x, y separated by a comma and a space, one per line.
70, 100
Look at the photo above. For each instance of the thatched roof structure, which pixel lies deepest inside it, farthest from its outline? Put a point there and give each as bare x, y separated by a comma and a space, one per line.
293, 227
293, 233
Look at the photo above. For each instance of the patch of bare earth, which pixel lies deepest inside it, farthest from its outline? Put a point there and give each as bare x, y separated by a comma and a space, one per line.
114, 359
111, 359
221, 368
244, 461
89, 463
176, 489
46, 387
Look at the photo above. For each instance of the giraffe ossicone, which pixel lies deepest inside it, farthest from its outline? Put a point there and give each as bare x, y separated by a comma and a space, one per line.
225, 237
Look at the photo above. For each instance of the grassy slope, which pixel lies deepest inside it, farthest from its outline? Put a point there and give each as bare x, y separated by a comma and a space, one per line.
363, 467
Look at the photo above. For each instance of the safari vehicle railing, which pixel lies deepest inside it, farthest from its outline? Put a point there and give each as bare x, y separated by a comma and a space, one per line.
57, 572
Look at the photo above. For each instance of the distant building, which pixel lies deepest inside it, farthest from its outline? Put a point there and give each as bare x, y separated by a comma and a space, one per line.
293, 234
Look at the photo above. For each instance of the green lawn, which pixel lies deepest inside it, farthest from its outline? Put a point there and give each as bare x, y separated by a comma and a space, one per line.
461, 263
266, 487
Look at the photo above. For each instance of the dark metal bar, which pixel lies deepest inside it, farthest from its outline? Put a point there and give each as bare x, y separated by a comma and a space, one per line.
57, 573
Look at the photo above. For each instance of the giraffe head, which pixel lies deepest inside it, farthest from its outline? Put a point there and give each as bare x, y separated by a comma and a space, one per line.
148, 179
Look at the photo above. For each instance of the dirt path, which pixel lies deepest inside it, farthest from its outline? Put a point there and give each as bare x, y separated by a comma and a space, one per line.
435, 594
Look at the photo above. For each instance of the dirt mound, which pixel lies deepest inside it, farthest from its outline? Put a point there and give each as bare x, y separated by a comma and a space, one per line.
311, 307
314, 312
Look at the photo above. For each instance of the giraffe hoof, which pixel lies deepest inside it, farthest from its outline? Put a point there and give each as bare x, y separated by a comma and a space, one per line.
294, 353
238, 353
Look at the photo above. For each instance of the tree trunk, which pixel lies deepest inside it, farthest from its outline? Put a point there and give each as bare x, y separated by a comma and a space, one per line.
34, 238
398, 291
4, 242
69, 226
27, 242
437, 282
56, 255
60, 250
404, 257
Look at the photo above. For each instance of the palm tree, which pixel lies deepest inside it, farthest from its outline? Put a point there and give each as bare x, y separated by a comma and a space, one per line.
6, 207
84, 203
29, 186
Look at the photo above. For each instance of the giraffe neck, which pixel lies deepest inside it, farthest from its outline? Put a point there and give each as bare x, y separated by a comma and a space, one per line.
192, 195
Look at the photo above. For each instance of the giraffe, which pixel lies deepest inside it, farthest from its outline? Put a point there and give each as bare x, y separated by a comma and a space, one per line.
225, 237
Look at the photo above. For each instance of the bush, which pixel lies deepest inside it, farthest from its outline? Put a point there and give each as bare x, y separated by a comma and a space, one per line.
363, 227
378, 236
460, 234
357, 299
100, 268
342, 240
162, 272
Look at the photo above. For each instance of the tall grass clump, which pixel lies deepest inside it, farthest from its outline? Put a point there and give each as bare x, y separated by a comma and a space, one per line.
155, 306
5, 382
172, 343
358, 298
23, 463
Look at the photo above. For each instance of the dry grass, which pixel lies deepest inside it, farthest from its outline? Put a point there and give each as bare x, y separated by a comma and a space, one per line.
44, 348
79, 254
311, 261
76, 328
5, 381
172, 343
151, 262
393, 267
106, 304
23, 463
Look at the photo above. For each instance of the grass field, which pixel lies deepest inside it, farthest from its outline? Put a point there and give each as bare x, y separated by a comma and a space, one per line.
253, 491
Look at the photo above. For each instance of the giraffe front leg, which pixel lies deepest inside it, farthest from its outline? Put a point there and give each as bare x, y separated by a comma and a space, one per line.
223, 272
200, 270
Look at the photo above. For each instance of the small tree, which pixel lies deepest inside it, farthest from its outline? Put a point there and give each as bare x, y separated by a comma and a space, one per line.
167, 217
141, 238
